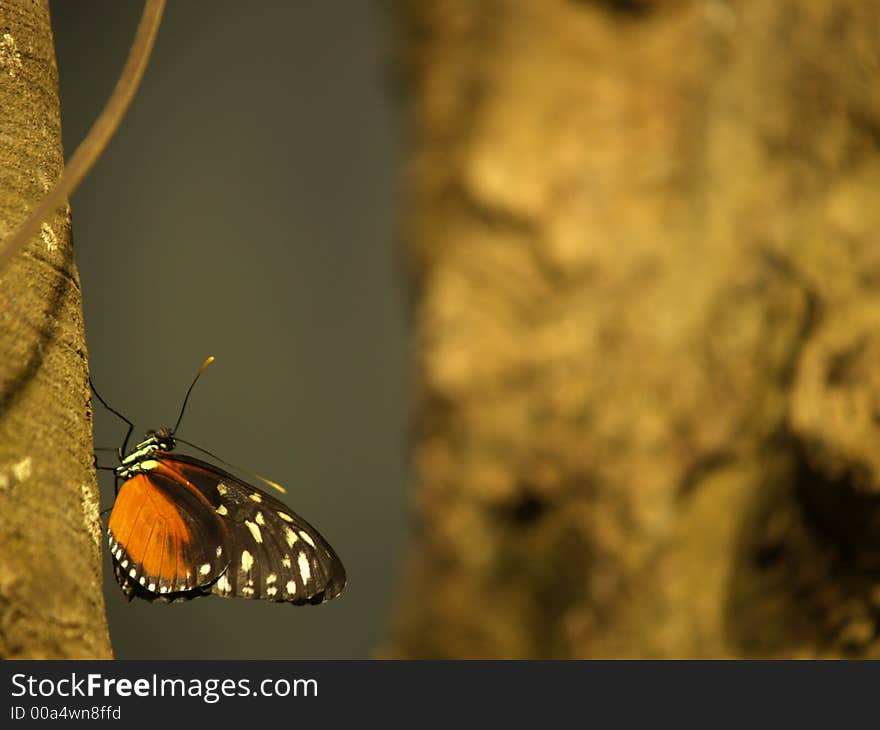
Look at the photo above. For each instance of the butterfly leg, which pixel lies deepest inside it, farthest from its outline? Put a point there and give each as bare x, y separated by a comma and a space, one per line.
116, 413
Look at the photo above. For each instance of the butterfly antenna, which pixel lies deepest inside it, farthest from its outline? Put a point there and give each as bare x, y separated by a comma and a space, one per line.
115, 413
263, 479
202, 369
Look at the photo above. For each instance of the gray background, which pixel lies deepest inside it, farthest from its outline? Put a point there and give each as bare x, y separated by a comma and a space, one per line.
247, 209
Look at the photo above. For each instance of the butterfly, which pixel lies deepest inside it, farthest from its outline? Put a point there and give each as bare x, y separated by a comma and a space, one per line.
181, 528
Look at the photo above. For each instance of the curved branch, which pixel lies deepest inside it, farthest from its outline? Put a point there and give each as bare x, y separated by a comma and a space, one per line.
99, 135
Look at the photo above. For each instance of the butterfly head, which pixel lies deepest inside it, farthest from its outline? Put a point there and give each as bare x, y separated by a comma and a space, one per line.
163, 438
139, 459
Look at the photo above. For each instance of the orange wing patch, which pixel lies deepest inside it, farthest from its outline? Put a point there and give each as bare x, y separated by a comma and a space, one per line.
153, 537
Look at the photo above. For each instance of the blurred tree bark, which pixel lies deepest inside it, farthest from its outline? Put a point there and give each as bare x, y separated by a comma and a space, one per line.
51, 600
646, 254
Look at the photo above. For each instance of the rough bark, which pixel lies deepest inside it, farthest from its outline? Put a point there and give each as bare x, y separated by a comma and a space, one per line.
645, 256
51, 601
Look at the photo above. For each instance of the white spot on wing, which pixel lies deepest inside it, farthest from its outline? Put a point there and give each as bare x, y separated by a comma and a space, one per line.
255, 531
290, 536
271, 591
305, 536
305, 569
259, 519
256, 497
271, 578
205, 569
222, 511
152, 587
223, 584
222, 489
219, 550
286, 517
247, 561
285, 561
291, 587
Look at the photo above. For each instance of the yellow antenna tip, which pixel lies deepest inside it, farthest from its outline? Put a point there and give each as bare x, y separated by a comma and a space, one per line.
208, 361
274, 485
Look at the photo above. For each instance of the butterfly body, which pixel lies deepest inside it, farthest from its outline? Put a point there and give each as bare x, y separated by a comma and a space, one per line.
182, 528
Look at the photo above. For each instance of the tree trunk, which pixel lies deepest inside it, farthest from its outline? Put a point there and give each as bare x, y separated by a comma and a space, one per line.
51, 601
646, 259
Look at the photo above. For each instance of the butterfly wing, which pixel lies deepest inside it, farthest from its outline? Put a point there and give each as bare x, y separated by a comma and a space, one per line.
165, 537
272, 552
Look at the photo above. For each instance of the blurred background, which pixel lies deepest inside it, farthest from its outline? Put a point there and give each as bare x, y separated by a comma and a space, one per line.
248, 209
